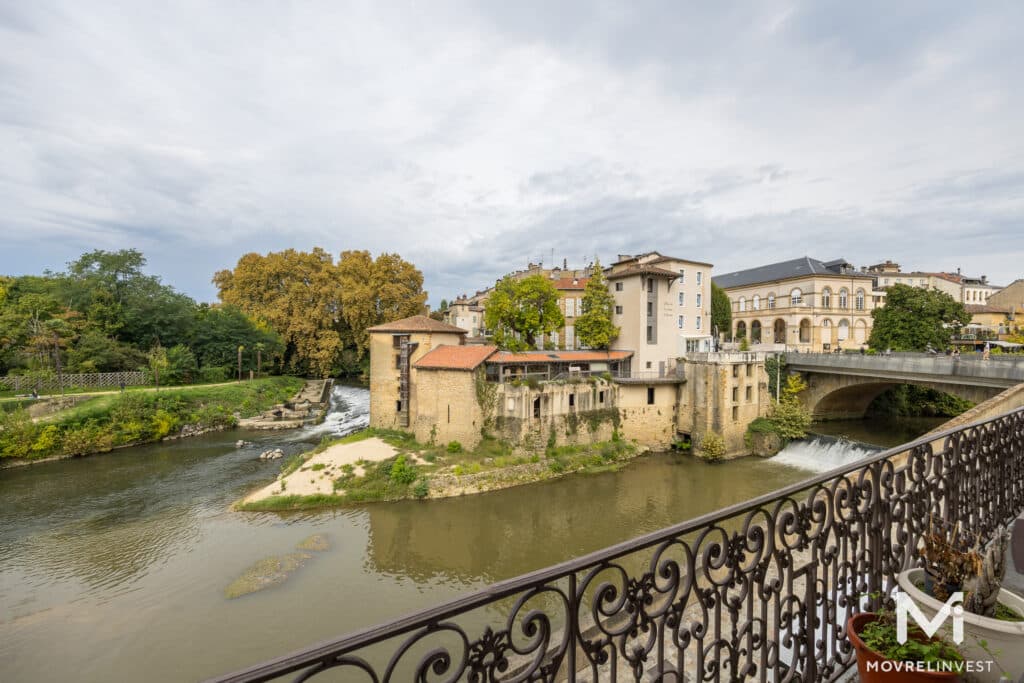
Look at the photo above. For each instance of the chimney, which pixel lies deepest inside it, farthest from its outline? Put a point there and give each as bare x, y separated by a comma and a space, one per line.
565, 264
624, 257
984, 279
958, 270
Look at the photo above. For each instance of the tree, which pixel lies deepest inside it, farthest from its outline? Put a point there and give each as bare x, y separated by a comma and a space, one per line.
721, 311
520, 311
220, 329
157, 363
240, 349
181, 365
296, 293
914, 319
594, 325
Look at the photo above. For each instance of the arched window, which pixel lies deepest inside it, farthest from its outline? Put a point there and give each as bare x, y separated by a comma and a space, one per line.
741, 330
826, 298
796, 297
757, 302
779, 331
771, 300
755, 331
858, 301
844, 330
743, 303
844, 297
805, 331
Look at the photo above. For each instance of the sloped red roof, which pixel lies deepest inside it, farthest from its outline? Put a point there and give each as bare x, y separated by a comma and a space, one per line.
642, 270
417, 323
558, 356
568, 283
449, 357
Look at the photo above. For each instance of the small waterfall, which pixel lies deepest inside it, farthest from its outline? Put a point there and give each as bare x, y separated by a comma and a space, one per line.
349, 412
823, 453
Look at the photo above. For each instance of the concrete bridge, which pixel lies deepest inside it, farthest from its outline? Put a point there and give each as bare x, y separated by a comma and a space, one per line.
842, 386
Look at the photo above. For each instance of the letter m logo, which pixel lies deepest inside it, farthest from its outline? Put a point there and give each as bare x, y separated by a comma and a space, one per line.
905, 605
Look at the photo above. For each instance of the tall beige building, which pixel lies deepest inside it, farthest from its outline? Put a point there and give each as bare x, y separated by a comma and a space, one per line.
804, 303
662, 308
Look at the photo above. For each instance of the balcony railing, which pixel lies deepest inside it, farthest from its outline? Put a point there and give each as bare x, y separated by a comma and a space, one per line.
760, 590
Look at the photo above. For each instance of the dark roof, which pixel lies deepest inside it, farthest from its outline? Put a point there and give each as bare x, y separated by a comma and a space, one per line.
447, 357
417, 323
783, 270
660, 259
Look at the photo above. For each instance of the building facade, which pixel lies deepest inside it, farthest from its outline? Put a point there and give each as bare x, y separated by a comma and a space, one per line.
963, 288
662, 308
803, 304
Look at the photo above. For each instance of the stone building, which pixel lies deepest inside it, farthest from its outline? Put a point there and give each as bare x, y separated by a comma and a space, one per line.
963, 288
662, 308
802, 304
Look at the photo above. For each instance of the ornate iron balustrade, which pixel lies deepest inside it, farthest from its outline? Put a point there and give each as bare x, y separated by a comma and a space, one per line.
759, 590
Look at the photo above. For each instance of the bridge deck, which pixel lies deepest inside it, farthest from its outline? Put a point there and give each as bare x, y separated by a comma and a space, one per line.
998, 371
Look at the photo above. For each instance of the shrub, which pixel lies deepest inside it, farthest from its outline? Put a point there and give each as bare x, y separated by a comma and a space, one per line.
422, 489
214, 373
454, 447
712, 447
402, 472
556, 465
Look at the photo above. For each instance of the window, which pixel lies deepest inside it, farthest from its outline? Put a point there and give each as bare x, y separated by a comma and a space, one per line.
757, 302
398, 406
650, 284
735, 413
618, 286
844, 297
859, 300
750, 369
554, 339
771, 301
650, 334
749, 394
398, 361
735, 394
572, 400
680, 322
682, 275
698, 322
682, 298
796, 297
600, 397
648, 365
698, 299
618, 310
743, 303
396, 341
570, 308
736, 371
699, 274
650, 308
570, 337
650, 396
885, 281
826, 298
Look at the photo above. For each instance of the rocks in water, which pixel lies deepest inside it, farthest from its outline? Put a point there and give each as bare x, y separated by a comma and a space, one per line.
272, 454
266, 573
241, 443
316, 542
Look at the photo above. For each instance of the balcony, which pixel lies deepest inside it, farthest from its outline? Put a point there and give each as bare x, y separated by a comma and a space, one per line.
760, 590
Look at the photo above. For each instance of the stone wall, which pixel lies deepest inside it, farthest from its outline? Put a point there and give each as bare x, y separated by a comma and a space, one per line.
723, 393
652, 425
446, 408
571, 413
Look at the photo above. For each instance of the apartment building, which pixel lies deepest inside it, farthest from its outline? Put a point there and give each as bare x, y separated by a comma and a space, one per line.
963, 288
662, 308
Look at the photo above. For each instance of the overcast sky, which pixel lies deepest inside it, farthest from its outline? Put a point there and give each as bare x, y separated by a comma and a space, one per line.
473, 137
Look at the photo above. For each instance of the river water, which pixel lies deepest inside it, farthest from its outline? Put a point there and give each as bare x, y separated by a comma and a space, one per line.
114, 567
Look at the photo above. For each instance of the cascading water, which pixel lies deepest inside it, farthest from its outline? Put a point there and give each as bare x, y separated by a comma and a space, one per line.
349, 411
823, 453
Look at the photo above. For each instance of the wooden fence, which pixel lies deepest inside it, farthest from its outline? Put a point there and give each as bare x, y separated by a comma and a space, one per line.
89, 380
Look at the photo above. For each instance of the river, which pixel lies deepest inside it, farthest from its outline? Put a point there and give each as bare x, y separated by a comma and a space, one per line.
114, 567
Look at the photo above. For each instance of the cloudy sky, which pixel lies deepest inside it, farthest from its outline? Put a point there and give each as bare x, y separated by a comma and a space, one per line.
473, 137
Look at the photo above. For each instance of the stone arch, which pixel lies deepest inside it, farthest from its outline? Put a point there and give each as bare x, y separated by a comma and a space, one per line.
741, 330
755, 331
779, 331
860, 332
847, 397
805, 331
843, 330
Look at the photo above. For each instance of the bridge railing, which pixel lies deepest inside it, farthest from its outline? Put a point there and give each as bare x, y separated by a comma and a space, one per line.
757, 590
962, 370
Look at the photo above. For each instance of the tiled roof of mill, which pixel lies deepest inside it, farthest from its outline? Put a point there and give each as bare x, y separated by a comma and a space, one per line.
450, 357
417, 323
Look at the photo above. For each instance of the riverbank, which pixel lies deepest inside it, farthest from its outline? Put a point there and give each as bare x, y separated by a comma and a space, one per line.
107, 422
386, 465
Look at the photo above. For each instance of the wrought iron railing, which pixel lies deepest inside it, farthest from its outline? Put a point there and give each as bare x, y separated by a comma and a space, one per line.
760, 590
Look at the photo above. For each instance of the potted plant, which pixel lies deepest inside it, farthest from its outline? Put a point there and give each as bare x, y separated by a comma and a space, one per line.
950, 560
881, 657
993, 617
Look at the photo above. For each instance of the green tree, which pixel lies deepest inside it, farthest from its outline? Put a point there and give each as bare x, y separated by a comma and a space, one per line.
181, 365
220, 329
157, 363
521, 311
594, 325
914, 319
721, 311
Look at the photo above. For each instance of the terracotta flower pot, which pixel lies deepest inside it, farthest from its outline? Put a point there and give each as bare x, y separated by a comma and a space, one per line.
870, 664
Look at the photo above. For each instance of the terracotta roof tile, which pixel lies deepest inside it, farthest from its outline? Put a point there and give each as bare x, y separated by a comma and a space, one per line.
417, 323
558, 356
449, 357
570, 283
